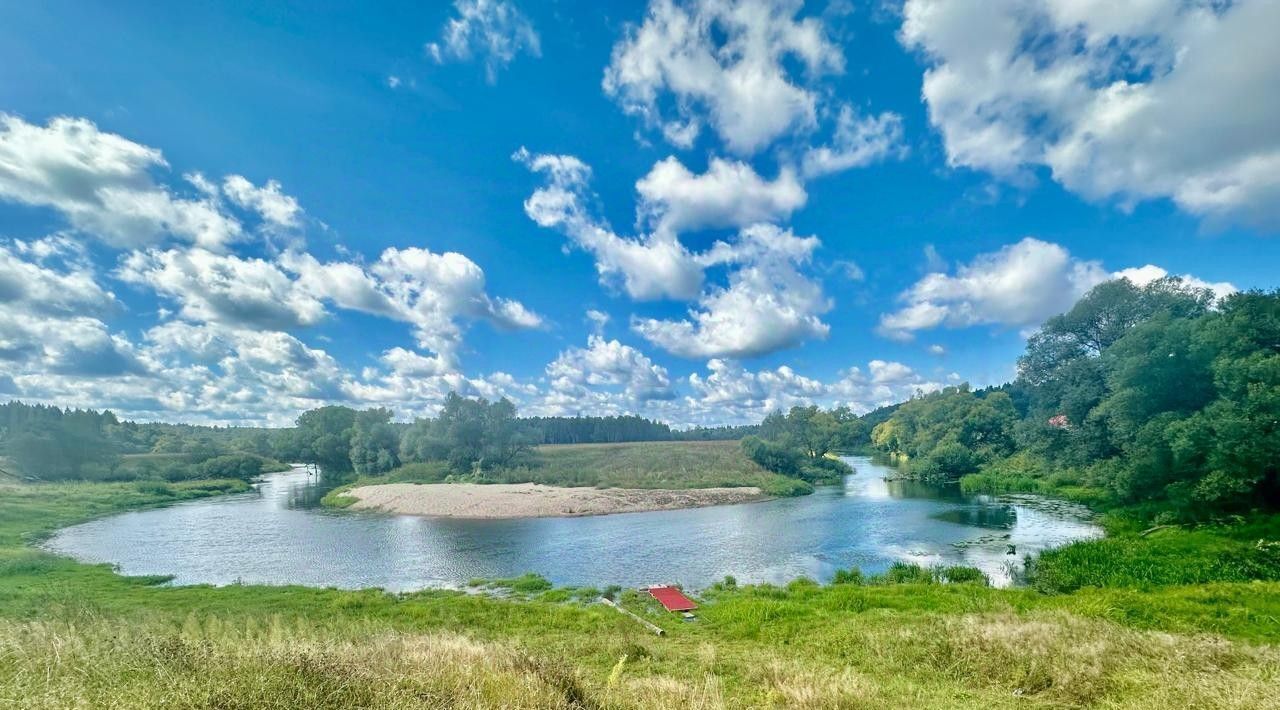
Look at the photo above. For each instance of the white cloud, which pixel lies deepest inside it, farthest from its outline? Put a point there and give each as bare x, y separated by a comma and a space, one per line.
102, 184
70, 347
938, 350
732, 394
1020, 285
611, 365
889, 383
858, 141
768, 304
433, 292
1121, 101
494, 30
269, 201
649, 267
725, 63
223, 288
598, 320
37, 285
728, 194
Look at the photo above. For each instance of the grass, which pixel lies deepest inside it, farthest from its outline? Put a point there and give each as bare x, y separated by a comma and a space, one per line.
1165, 557
655, 464
649, 464
74, 635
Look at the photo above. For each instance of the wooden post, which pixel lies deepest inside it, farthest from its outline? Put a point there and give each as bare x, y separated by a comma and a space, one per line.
647, 624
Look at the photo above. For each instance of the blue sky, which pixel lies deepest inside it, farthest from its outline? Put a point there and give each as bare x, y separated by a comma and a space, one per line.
697, 211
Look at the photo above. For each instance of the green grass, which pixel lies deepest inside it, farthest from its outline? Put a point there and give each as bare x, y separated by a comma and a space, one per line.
74, 635
1165, 557
649, 464
656, 464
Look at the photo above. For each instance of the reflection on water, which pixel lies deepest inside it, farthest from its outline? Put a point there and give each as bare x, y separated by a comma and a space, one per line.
994, 517
277, 534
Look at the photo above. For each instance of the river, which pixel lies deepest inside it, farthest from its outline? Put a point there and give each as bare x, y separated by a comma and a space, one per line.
278, 534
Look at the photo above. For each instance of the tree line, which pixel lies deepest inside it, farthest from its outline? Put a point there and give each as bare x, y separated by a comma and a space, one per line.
1153, 395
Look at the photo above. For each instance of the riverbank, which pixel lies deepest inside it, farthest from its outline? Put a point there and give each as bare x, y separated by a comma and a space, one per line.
532, 500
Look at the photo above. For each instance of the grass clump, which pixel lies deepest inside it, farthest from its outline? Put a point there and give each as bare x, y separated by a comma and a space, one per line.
1170, 556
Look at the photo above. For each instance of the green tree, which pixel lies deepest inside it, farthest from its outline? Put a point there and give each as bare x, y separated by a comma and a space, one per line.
375, 443
324, 437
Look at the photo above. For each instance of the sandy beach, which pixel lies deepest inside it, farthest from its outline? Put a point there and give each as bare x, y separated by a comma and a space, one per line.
532, 500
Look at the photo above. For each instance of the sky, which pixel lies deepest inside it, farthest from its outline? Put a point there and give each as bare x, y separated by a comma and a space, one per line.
698, 212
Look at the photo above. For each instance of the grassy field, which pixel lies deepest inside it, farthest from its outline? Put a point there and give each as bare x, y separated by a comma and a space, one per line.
73, 635
649, 464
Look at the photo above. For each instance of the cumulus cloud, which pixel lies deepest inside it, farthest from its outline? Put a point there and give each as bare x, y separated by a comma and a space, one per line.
42, 278
1122, 102
102, 184
224, 288
647, 267
728, 194
731, 393
1020, 285
269, 201
76, 346
767, 305
610, 365
857, 141
433, 292
726, 63
493, 30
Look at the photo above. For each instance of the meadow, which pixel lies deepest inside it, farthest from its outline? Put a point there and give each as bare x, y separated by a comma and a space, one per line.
81, 635
648, 464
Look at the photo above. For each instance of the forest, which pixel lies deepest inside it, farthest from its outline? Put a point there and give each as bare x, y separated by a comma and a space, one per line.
1154, 396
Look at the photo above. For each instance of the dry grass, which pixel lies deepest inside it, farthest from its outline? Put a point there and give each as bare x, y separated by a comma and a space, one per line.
979, 661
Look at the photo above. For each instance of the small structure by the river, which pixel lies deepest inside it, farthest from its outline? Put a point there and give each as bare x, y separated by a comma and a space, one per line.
672, 598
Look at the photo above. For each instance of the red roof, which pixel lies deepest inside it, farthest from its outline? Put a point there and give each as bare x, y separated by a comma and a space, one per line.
672, 599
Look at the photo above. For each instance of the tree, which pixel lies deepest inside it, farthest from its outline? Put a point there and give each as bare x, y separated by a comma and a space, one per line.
470, 434
324, 437
375, 443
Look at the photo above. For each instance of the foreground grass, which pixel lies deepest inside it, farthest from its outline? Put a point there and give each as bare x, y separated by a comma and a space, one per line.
75, 635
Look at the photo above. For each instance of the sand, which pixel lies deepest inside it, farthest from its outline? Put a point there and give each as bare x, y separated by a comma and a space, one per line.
532, 500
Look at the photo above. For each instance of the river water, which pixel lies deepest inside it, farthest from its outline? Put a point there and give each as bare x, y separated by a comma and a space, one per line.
278, 534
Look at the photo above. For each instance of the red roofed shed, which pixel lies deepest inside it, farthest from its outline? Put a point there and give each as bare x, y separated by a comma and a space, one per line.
672, 599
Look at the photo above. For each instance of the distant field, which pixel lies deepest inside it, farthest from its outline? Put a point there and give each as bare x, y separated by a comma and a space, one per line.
649, 464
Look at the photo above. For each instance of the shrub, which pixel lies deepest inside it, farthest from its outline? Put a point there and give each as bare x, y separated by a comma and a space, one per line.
773, 457
242, 466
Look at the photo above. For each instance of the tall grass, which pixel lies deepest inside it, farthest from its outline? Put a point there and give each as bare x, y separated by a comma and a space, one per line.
1165, 557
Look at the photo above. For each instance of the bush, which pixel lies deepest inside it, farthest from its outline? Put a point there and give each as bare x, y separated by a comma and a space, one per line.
826, 470
242, 466
773, 457
784, 487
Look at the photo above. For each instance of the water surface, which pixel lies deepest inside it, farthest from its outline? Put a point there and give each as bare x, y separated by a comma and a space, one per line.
277, 534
